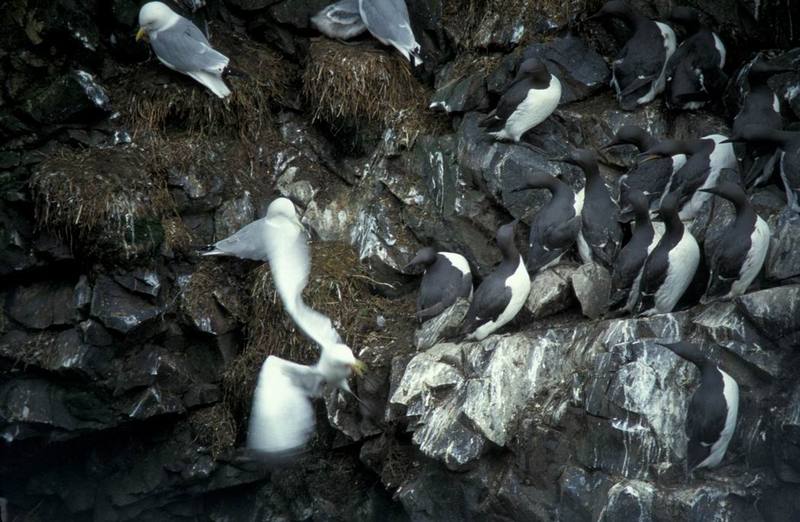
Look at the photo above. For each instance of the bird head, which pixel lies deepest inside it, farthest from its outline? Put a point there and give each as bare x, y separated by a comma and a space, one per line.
337, 363
628, 135
425, 256
663, 149
533, 68
153, 16
728, 190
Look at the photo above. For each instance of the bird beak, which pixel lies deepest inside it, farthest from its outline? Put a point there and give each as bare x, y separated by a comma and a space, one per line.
610, 144
140, 34
644, 157
729, 140
359, 368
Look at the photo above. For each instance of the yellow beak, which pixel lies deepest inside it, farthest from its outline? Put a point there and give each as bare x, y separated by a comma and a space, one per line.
359, 368
140, 34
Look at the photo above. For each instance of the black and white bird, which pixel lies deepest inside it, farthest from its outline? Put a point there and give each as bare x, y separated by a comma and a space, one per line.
789, 144
182, 47
554, 229
649, 177
341, 20
737, 258
502, 294
638, 72
527, 101
447, 277
761, 106
388, 22
706, 158
282, 417
712, 413
600, 236
694, 73
671, 266
627, 272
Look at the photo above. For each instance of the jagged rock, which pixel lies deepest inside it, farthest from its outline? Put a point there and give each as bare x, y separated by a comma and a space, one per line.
629, 500
119, 309
42, 305
71, 97
461, 93
233, 214
592, 284
433, 330
141, 281
581, 494
775, 312
551, 291
783, 258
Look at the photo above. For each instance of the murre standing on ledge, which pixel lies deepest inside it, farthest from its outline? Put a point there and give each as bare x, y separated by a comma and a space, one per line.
649, 177
694, 73
340, 20
628, 266
670, 267
501, 295
528, 101
706, 157
760, 106
554, 229
789, 144
712, 413
638, 73
447, 277
388, 21
600, 237
738, 256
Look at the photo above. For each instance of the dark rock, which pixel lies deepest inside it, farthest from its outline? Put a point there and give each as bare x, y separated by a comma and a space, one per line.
119, 309
433, 330
581, 493
252, 5
551, 291
291, 13
42, 305
592, 284
630, 500
71, 97
141, 281
783, 258
460, 93
775, 312
83, 294
95, 334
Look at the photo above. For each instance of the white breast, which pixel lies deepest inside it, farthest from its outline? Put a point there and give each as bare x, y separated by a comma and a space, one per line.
534, 109
720, 49
759, 244
722, 157
683, 261
730, 390
657, 86
458, 261
776, 104
520, 284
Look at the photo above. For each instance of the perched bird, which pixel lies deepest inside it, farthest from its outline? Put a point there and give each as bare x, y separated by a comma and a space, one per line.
711, 418
649, 177
282, 419
763, 107
789, 144
694, 73
527, 101
600, 237
387, 20
671, 265
739, 255
340, 20
706, 158
554, 229
639, 70
182, 47
501, 295
628, 265
447, 277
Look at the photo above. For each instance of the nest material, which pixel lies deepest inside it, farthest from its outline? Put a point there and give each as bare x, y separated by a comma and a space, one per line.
358, 88
102, 200
150, 107
214, 428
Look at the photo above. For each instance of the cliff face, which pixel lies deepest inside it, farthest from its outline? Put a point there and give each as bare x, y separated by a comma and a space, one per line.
127, 362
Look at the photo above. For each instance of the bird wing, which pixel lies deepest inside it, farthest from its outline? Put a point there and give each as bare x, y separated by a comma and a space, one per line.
508, 103
282, 417
185, 48
563, 235
249, 242
488, 303
387, 20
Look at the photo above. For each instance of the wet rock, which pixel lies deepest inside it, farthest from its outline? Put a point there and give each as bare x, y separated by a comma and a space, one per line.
775, 312
119, 309
783, 258
433, 330
592, 284
551, 292
42, 305
69, 98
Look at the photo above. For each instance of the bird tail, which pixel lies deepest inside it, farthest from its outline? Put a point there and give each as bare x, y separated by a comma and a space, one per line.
214, 83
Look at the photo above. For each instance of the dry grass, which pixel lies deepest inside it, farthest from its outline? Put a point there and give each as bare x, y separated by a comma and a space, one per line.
214, 428
360, 89
150, 107
101, 200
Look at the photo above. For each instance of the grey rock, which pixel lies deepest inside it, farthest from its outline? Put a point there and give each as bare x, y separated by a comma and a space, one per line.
42, 305
433, 330
233, 214
83, 294
462, 93
67, 99
119, 309
142, 281
783, 258
551, 292
629, 500
592, 284
775, 312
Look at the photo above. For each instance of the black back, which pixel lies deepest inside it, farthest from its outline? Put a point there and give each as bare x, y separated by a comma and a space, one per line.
441, 286
532, 74
697, 52
648, 177
655, 268
555, 227
694, 172
640, 61
631, 258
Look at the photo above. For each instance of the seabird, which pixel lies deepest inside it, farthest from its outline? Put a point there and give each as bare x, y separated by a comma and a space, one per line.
502, 294
628, 265
447, 277
739, 255
711, 418
600, 236
554, 229
649, 177
527, 101
638, 72
340, 20
387, 20
182, 47
694, 73
670, 267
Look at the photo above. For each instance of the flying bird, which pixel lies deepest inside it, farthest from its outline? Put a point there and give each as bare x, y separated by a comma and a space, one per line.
182, 47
